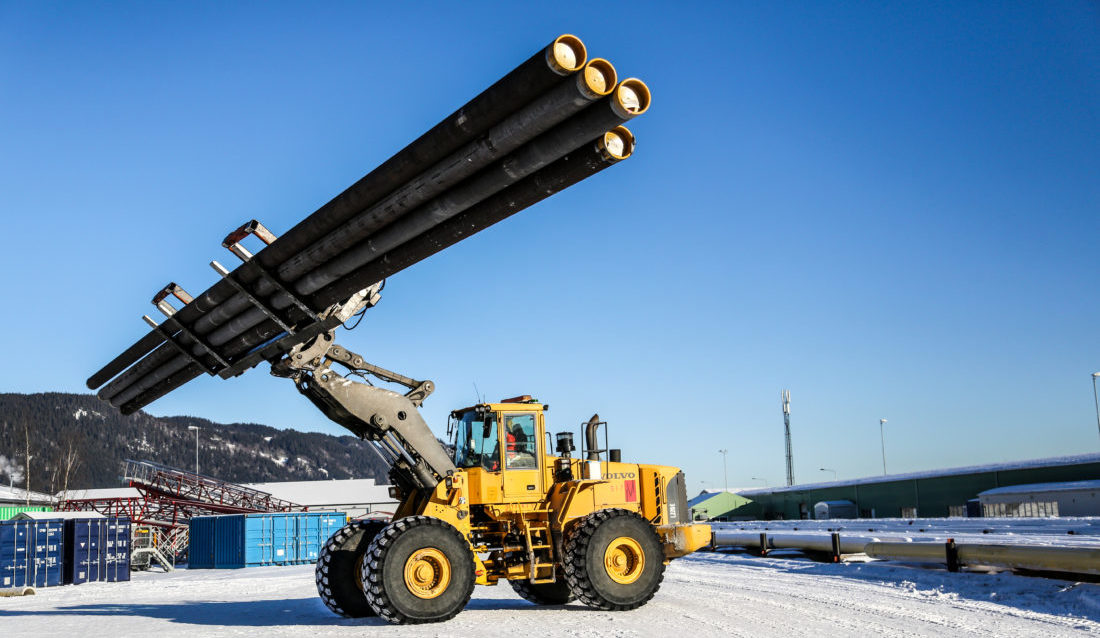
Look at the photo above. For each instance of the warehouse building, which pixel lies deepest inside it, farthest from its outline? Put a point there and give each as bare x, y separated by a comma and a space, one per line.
1076, 498
354, 497
722, 505
938, 493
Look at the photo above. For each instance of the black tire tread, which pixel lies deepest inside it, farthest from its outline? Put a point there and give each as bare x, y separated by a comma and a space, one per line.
374, 588
576, 567
543, 593
334, 596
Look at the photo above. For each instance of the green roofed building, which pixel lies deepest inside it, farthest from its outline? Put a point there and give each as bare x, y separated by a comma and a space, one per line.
8, 512
723, 506
931, 494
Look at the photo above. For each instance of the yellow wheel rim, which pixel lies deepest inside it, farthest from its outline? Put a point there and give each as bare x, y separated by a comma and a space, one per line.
427, 573
624, 560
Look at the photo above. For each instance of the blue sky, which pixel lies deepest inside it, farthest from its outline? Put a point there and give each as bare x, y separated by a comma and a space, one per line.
892, 211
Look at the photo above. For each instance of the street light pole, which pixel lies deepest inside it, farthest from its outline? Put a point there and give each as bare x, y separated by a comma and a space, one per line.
725, 476
196, 429
825, 469
1094, 400
761, 479
882, 437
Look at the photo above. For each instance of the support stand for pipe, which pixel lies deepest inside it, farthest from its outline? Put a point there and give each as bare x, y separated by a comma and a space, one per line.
952, 552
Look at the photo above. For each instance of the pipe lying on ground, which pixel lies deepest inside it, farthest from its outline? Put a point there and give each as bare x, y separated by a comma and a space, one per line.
564, 56
587, 160
1076, 560
809, 542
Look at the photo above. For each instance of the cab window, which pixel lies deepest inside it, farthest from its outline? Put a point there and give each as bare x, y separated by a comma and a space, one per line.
521, 442
476, 443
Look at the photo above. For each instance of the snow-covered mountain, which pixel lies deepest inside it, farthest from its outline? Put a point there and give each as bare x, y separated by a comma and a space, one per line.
102, 439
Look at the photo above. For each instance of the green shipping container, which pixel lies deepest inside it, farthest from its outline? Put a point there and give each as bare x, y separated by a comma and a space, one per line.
8, 512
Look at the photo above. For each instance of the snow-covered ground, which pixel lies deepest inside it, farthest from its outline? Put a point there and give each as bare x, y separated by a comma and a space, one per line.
706, 594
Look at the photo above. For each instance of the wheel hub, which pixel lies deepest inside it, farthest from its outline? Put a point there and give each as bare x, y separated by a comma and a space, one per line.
427, 573
624, 560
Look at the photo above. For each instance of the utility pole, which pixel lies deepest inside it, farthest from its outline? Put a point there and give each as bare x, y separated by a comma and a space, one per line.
882, 437
27, 460
196, 429
1096, 402
787, 433
725, 476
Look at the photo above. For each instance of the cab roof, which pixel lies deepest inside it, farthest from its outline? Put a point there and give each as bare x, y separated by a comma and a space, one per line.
522, 403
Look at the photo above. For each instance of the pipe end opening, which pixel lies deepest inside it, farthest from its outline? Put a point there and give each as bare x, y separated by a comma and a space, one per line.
632, 98
566, 54
617, 144
599, 77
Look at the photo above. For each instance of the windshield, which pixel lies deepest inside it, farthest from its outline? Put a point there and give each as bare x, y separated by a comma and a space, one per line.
476, 441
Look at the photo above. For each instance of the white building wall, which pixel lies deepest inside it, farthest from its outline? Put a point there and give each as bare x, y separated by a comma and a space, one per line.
1073, 502
355, 497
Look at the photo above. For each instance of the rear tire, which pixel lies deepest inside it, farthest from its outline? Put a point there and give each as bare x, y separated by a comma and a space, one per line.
544, 593
338, 568
418, 569
614, 560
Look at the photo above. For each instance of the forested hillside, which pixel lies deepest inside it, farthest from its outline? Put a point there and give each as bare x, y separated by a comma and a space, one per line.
79, 438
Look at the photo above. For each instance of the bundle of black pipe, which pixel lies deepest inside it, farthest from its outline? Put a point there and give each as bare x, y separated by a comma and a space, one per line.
586, 161
517, 128
562, 57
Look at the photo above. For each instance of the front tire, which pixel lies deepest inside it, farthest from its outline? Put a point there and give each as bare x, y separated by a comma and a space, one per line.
614, 560
339, 565
419, 569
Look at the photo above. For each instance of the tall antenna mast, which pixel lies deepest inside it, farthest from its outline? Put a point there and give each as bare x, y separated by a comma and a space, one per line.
787, 432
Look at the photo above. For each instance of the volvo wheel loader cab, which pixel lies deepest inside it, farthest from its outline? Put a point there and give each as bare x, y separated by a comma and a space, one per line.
510, 508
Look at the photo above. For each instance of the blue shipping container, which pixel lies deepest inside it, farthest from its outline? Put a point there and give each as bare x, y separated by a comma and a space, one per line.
117, 550
97, 550
200, 551
250, 540
83, 556
314, 529
49, 552
31, 553
15, 553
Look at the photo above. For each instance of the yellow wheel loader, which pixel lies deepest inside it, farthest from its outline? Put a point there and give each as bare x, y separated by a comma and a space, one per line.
506, 504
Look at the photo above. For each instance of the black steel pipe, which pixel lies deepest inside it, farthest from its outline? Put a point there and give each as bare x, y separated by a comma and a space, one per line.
584, 162
629, 99
564, 56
